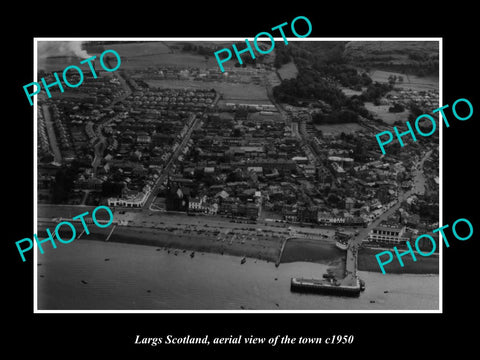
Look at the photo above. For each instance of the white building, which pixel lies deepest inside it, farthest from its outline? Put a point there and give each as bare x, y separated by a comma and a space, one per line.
201, 205
134, 200
388, 234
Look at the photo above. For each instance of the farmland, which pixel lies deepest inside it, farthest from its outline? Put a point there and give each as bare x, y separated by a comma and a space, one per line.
390, 54
410, 82
142, 55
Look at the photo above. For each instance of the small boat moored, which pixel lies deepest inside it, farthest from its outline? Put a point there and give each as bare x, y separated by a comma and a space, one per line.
362, 285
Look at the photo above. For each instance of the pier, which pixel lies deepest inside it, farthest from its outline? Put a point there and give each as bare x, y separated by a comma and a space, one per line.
351, 261
111, 232
343, 283
279, 259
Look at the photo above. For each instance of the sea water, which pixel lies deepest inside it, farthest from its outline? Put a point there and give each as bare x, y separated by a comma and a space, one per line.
97, 275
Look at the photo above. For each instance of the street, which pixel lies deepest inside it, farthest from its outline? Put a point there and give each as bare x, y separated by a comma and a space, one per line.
418, 184
51, 134
174, 156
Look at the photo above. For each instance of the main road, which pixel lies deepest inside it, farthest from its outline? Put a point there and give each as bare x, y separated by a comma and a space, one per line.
418, 186
166, 170
57, 155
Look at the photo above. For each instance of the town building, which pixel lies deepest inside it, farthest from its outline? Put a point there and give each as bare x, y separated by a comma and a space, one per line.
389, 233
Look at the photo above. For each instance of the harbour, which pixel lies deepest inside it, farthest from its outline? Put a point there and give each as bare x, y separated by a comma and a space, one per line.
349, 284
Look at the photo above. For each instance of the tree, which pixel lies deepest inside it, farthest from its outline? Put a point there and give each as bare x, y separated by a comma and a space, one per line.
110, 188
63, 184
396, 108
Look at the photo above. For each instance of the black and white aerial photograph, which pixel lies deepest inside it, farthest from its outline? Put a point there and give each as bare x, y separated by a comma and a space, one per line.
237, 179
258, 188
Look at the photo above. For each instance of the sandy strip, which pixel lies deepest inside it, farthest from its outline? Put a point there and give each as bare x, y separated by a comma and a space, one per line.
266, 247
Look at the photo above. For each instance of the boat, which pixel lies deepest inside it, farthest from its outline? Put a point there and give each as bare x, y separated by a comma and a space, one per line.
243, 261
330, 286
362, 285
341, 245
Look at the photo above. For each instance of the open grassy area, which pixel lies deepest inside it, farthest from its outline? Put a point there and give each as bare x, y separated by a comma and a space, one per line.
381, 111
259, 117
140, 49
411, 82
288, 71
336, 129
393, 52
142, 55
230, 91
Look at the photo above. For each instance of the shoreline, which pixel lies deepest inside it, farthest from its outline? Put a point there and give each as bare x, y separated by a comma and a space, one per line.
265, 248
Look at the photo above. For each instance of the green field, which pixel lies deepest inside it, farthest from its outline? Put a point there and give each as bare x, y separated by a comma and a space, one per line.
381, 112
394, 52
288, 71
143, 55
259, 117
230, 91
337, 129
411, 82
140, 49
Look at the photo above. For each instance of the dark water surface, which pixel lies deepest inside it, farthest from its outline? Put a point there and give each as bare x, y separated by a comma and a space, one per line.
95, 275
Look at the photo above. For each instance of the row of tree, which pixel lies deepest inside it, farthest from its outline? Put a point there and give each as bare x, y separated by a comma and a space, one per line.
321, 69
200, 49
346, 75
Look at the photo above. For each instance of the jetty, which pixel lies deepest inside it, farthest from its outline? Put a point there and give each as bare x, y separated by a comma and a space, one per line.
349, 285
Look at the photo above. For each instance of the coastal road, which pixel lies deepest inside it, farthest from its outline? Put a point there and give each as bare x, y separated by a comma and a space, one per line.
181, 221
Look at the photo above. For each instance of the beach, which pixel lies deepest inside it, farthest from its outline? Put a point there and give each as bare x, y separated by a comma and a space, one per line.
263, 246
142, 267
266, 247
